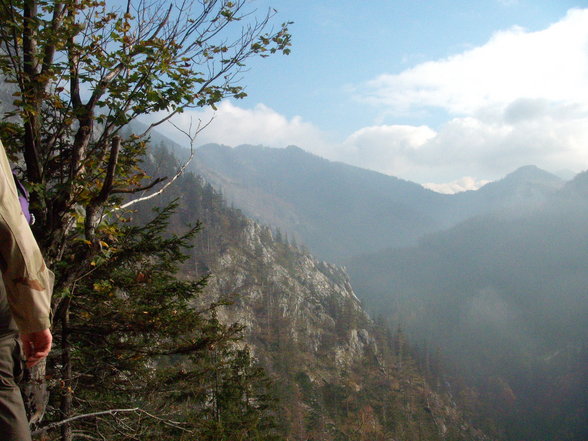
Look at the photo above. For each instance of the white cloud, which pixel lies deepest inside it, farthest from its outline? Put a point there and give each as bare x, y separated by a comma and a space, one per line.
481, 148
463, 184
387, 149
232, 125
551, 64
520, 99
469, 146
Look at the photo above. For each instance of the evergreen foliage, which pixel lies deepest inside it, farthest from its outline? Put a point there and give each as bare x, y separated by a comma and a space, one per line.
380, 395
140, 341
80, 71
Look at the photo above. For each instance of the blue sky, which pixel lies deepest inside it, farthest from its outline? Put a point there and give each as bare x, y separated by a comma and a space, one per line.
447, 93
341, 43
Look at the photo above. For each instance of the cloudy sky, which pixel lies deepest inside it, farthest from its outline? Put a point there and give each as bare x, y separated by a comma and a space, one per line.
446, 93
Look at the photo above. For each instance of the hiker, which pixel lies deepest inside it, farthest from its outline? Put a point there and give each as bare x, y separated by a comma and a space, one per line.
25, 303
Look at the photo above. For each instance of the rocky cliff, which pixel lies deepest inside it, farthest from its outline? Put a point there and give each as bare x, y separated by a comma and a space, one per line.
337, 374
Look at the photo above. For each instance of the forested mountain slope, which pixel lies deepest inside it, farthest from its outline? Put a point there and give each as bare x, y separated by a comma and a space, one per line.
338, 376
501, 293
338, 210
504, 298
335, 209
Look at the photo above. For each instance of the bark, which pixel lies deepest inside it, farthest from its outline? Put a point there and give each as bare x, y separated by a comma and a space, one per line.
66, 375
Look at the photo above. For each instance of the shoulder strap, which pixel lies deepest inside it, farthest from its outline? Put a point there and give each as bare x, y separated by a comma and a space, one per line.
23, 196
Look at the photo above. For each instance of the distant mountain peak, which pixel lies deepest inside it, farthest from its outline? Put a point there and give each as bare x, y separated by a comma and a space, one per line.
214, 146
578, 185
525, 188
531, 172
295, 148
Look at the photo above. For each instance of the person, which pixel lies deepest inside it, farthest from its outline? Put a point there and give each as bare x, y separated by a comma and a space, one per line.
25, 305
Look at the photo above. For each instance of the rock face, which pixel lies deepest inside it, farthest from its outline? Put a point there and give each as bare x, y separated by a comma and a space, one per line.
337, 374
278, 288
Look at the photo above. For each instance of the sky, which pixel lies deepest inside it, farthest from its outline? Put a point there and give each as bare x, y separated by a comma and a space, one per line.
447, 93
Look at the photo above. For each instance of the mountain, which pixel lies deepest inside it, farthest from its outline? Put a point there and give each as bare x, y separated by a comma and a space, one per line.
503, 296
525, 188
338, 210
335, 209
492, 279
337, 374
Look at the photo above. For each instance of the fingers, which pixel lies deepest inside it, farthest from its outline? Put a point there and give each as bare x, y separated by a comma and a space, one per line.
35, 355
36, 346
32, 360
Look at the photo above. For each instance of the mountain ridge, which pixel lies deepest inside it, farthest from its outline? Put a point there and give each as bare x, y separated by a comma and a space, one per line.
503, 297
338, 375
339, 210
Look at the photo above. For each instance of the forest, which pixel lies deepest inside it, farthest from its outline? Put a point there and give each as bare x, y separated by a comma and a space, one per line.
76, 73
177, 314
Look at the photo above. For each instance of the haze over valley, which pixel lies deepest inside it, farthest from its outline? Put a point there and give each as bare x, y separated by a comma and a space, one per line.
492, 282
277, 220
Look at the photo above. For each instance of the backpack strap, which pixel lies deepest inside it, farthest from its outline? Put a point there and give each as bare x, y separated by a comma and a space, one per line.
23, 197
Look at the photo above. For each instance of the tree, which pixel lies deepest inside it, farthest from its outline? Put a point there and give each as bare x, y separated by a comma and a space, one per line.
81, 72
242, 403
84, 69
149, 357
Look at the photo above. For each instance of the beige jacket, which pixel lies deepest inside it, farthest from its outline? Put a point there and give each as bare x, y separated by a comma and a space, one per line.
28, 283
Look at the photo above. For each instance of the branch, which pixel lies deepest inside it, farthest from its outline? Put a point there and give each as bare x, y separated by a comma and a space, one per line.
161, 190
112, 412
56, 22
83, 416
161, 121
73, 61
86, 436
96, 202
103, 84
10, 41
110, 171
192, 138
162, 24
29, 40
30, 93
108, 78
136, 190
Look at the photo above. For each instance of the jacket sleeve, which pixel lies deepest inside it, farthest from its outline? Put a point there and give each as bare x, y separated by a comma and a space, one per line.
28, 282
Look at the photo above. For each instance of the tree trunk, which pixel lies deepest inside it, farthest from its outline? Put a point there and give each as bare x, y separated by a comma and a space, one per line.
67, 394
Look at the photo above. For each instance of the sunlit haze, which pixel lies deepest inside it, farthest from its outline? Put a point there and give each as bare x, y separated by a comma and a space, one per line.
449, 94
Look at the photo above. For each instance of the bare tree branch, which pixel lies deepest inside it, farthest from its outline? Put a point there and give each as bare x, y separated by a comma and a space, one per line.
161, 190
111, 412
137, 190
80, 417
181, 170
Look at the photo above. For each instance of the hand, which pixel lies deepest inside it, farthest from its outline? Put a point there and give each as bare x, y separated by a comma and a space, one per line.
36, 346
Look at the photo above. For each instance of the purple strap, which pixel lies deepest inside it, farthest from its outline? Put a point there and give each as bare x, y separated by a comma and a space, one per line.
23, 197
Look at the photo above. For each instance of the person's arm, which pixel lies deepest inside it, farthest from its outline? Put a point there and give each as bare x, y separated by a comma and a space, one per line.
28, 282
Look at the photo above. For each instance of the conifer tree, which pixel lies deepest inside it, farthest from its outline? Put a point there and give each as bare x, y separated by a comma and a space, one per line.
147, 349
81, 71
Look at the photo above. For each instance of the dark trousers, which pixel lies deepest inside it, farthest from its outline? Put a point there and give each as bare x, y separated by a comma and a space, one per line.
14, 425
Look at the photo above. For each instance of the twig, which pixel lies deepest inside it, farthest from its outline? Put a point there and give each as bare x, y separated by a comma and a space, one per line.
112, 412
192, 138
80, 417
86, 436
